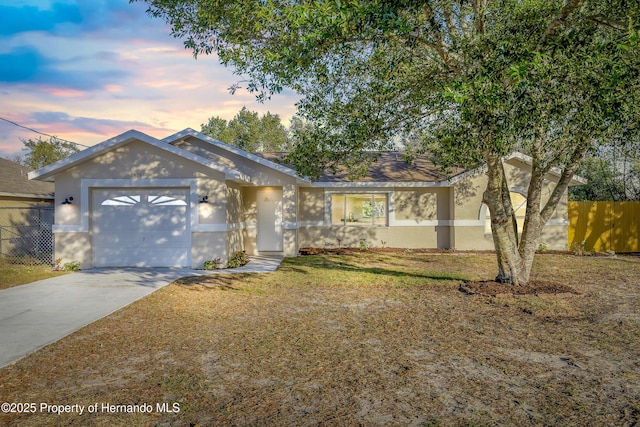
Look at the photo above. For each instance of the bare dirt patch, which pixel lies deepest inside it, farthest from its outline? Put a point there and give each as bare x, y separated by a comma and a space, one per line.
534, 287
355, 339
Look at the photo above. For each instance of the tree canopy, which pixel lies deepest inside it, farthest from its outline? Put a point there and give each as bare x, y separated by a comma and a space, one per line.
41, 152
468, 81
612, 174
249, 132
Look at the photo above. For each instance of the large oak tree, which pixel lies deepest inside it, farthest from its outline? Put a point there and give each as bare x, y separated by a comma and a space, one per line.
468, 81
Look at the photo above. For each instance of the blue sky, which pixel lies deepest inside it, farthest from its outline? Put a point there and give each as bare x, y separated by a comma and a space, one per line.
86, 71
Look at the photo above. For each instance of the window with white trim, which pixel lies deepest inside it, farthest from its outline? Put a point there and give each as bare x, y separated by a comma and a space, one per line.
134, 200
359, 209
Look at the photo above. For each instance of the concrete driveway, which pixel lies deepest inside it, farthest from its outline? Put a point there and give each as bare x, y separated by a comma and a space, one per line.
42, 312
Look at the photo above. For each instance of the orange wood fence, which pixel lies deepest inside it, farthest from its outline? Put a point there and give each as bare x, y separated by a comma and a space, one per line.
604, 226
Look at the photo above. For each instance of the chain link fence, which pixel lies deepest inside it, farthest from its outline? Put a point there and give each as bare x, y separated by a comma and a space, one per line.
26, 235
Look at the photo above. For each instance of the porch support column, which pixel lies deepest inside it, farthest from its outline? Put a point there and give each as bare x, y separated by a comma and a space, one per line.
289, 220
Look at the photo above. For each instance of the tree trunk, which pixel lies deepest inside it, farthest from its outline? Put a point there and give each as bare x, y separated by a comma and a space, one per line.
533, 223
505, 235
515, 258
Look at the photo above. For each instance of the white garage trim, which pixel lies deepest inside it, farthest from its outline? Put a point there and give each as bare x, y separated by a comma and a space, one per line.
87, 184
141, 227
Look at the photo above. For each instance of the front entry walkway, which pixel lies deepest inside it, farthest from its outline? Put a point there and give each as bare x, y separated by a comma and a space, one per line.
40, 313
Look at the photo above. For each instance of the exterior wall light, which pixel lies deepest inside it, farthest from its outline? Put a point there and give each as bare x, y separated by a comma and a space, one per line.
67, 201
205, 199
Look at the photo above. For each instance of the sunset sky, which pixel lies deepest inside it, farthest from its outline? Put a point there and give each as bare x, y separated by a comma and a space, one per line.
86, 71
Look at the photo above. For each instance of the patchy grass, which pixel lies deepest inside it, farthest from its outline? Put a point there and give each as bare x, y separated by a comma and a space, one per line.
16, 274
358, 339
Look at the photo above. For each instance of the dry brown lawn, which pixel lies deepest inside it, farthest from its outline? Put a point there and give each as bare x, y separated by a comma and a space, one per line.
15, 274
354, 339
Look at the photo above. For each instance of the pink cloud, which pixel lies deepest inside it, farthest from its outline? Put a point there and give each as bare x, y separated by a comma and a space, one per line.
65, 92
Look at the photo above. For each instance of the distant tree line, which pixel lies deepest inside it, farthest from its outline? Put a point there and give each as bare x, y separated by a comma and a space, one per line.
612, 173
250, 132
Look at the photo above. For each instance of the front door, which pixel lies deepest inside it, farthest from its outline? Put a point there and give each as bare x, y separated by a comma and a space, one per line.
269, 205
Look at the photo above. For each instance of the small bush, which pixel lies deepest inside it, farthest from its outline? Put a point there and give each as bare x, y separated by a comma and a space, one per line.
71, 266
238, 260
543, 247
212, 264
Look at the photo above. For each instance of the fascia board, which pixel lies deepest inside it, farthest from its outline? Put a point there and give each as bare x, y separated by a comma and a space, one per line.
235, 150
49, 171
556, 172
46, 173
28, 196
379, 184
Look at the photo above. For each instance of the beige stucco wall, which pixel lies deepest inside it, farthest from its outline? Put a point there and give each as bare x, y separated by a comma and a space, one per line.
418, 204
249, 219
208, 246
235, 236
408, 209
393, 237
260, 175
70, 247
445, 217
467, 207
310, 204
139, 161
289, 220
234, 204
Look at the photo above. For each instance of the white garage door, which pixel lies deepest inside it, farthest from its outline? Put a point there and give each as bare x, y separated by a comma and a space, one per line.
141, 228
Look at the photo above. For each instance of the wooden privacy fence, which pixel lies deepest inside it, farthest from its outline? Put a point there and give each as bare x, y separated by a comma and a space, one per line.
605, 226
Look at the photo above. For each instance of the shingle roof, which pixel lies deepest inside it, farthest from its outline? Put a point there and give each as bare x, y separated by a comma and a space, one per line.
390, 166
14, 181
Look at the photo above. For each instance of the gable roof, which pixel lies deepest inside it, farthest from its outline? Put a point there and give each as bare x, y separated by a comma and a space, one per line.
48, 172
14, 182
555, 171
390, 166
257, 158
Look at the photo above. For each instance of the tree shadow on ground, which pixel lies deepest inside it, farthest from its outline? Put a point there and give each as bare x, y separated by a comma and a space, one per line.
322, 263
214, 281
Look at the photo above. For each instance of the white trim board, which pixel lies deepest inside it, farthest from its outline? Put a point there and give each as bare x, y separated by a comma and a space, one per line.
172, 139
47, 173
87, 184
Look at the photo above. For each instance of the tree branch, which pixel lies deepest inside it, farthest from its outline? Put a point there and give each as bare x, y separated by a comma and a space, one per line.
567, 10
602, 20
439, 46
563, 182
479, 7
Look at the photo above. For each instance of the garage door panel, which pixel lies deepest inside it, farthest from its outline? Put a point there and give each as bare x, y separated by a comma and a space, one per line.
142, 257
141, 227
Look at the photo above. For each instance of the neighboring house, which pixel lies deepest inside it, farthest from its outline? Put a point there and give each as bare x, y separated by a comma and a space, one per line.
26, 214
179, 201
16, 190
